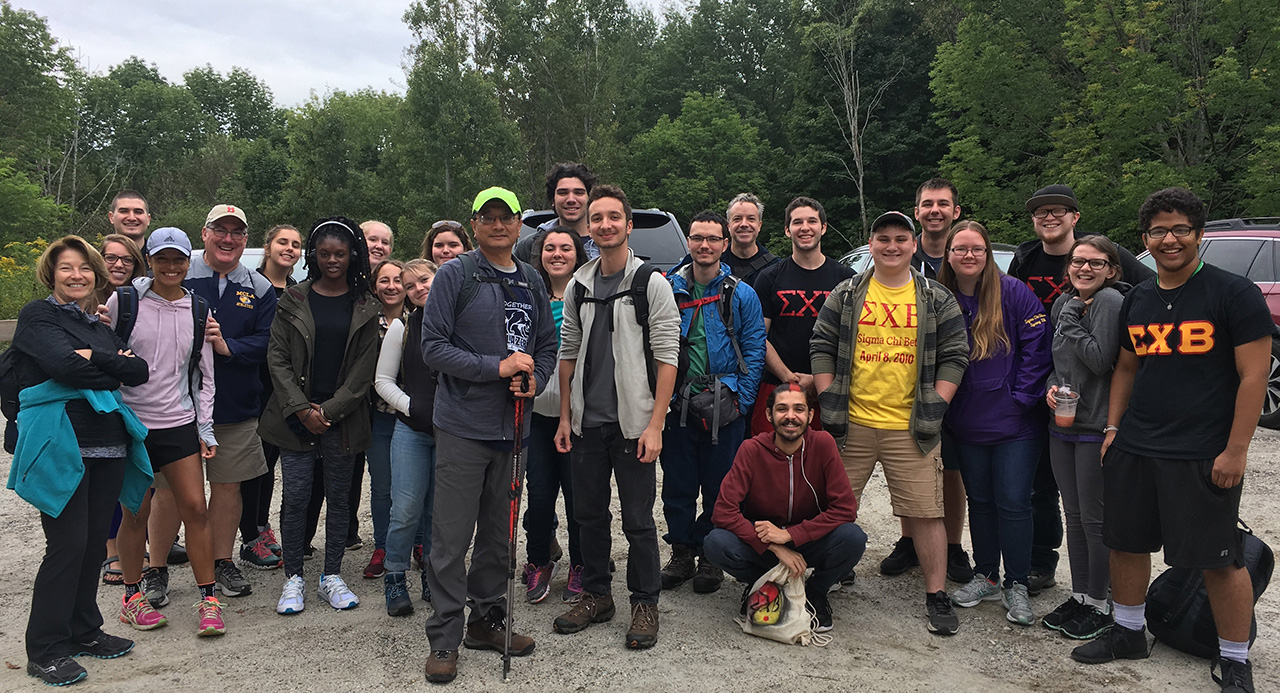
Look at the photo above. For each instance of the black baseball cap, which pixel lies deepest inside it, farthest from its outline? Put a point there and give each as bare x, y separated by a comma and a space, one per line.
1056, 194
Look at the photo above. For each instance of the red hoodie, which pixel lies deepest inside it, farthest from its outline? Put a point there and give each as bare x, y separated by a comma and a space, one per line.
807, 494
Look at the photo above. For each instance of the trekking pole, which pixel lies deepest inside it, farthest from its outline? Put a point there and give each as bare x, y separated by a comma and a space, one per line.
516, 478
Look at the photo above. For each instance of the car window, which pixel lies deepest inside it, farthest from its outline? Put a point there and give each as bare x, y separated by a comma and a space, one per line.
1264, 266
1235, 255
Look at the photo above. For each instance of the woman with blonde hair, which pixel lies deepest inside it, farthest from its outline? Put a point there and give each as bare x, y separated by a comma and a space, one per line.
997, 418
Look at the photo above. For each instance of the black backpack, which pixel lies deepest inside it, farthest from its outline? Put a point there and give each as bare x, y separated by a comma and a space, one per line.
1178, 610
9, 397
472, 278
639, 293
127, 316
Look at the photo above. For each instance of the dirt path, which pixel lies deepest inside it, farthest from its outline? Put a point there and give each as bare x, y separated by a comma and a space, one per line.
880, 639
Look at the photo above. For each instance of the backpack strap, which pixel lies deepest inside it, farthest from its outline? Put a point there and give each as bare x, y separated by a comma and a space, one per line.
727, 289
126, 311
639, 293
472, 277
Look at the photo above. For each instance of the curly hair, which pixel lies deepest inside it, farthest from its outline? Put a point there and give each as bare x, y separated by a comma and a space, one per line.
1175, 200
535, 259
344, 230
568, 169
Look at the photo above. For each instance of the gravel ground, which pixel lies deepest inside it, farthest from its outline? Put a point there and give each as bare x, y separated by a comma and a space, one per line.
880, 641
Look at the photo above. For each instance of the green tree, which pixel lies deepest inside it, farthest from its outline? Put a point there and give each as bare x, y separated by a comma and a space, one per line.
35, 102
25, 212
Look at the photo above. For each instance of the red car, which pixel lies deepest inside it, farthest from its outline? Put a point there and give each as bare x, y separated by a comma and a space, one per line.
1250, 248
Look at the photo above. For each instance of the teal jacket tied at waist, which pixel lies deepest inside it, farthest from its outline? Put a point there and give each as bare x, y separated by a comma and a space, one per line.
47, 468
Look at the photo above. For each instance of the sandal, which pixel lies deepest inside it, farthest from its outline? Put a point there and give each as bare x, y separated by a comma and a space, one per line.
112, 576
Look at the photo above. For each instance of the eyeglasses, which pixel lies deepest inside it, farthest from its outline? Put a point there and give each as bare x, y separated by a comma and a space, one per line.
709, 240
446, 224
976, 251
1055, 212
122, 259
1094, 264
237, 234
1156, 233
503, 218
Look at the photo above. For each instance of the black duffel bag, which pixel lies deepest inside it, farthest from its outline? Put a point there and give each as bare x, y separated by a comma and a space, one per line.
1178, 612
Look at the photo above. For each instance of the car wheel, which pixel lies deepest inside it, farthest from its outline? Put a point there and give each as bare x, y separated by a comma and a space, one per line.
1271, 404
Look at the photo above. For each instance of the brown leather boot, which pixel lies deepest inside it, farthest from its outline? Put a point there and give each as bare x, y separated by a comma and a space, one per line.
490, 633
442, 666
643, 633
591, 608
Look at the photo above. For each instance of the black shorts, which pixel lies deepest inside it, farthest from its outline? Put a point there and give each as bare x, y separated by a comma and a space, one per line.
1149, 502
168, 445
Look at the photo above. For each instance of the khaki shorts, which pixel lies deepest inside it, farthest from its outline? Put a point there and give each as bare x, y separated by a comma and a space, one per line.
239, 457
915, 480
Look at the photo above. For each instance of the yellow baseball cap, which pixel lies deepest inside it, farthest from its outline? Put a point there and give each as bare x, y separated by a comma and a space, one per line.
496, 193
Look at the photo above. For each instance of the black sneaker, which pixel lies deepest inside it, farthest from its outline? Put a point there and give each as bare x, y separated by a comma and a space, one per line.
557, 552
231, 581
901, 559
680, 568
1056, 619
1116, 642
354, 542
155, 584
1039, 580
1236, 677
707, 578
848, 581
1088, 623
177, 554
105, 646
62, 671
942, 616
308, 553
958, 567
821, 609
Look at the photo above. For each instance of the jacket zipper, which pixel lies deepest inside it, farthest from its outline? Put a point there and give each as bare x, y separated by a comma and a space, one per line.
791, 488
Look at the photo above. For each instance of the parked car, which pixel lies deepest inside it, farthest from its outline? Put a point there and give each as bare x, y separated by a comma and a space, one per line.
1249, 248
656, 236
252, 259
859, 258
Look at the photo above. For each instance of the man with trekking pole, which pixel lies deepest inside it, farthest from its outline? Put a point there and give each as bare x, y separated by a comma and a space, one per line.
488, 370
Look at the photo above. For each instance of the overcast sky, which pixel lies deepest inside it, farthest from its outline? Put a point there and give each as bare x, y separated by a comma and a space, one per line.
295, 46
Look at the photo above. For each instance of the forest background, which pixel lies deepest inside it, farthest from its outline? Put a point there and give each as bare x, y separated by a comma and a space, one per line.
853, 102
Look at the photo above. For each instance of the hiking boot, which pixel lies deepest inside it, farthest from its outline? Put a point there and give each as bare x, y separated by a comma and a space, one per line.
138, 612
589, 609
643, 632
442, 666
1018, 603
177, 554
211, 623
942, 617
1236, 677
556, 551
681, 567
490, 633
979, 589
105, 646
1039, 580
62, 671
397, 592
538, 581
1087, 624
155, 584
958, 567
377, 565
820, 607
1115, 642
1066, 611
573, 587
231, 581
901, 559
707, 578
258, 554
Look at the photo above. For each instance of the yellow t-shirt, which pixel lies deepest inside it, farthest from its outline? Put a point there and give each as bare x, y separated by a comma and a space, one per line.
883, 386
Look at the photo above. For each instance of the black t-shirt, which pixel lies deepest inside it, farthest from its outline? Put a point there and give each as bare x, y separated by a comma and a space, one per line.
1047, 274
332, 316
747, 269
1184, 393
791, 297
925, 263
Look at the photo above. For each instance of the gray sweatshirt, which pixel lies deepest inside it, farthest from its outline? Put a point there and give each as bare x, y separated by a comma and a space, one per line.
1086, 340
471, 400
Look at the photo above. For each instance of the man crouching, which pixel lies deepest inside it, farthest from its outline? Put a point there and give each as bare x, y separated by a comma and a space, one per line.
787, 498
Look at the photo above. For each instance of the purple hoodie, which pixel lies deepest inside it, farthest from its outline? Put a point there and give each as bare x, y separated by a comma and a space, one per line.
1001, 398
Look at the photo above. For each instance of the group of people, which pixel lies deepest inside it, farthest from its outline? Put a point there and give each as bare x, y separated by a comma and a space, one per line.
767, 389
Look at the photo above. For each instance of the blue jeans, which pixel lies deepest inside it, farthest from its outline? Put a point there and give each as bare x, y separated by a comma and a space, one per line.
379, 458
998, 481
549, 471
692, 465
831, 556
413, 474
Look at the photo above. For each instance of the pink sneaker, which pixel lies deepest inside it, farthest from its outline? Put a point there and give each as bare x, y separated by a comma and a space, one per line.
210, 610
538, 581
268, 537
138, 612
573, 588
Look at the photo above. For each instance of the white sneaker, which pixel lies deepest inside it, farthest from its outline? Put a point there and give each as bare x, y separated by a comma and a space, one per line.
334, 591
291, 598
